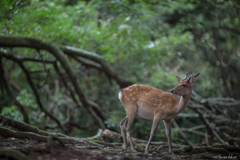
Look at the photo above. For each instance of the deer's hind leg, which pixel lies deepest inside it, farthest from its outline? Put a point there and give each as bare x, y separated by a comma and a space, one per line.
123, 132
131, 115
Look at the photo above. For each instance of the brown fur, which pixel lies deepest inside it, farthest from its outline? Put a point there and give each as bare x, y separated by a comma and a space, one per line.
155, 99
152, 103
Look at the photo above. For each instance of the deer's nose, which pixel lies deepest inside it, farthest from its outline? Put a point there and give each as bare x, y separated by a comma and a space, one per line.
172, 91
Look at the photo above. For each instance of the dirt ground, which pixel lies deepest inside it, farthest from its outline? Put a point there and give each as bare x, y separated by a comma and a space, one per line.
43, 151
57, 151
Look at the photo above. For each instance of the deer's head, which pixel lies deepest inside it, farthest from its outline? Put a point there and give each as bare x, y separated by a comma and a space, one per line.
184, 86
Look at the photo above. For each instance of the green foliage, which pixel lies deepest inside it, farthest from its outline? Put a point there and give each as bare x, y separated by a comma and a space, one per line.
28, 101
12, 112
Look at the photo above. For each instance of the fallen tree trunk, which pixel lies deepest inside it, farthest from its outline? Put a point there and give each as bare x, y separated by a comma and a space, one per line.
26, 127
7, 133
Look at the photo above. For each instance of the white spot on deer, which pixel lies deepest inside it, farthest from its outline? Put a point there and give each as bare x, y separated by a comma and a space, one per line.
133, 99
120, 95
130, 94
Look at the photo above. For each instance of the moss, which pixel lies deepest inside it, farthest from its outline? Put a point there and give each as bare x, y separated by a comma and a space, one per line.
198, 150
217, 150
106, 151
142, 154
182, 153
12, 154
230, 148
161, 147
205, 155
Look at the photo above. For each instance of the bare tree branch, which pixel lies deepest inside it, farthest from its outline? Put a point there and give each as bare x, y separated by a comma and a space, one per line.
181, 133
215, 101
9, 93
231, 138
98, 59
17, 41
10, 80
211, 131
30, 82
24, 127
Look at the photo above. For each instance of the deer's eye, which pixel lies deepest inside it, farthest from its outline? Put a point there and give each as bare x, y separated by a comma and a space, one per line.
184, 85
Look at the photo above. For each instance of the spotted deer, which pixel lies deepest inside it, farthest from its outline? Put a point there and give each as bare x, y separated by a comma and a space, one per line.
152, 103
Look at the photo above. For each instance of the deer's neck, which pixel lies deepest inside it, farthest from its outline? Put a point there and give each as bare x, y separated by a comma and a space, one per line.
183, 101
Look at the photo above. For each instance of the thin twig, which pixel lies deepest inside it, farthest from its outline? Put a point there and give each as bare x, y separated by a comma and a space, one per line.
181, 133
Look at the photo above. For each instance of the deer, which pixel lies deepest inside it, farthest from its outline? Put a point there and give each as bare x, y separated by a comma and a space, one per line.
152, 103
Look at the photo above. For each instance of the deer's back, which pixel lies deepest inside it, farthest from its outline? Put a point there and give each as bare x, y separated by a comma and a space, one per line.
147, 96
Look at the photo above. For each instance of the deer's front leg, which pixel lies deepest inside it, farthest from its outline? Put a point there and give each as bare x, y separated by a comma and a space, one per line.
167, 124
156, 121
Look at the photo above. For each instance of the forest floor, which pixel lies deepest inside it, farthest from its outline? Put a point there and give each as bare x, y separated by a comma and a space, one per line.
19, 149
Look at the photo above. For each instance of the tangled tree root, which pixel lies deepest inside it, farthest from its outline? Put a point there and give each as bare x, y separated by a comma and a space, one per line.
12, 154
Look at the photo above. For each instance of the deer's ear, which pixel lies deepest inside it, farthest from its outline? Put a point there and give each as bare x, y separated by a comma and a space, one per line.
191, 80
178, 79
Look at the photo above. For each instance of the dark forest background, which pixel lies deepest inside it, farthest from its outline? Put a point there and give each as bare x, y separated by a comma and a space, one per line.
63, 63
